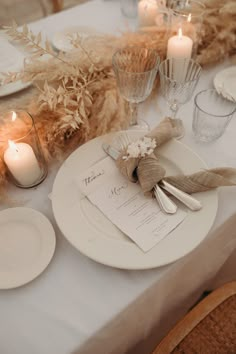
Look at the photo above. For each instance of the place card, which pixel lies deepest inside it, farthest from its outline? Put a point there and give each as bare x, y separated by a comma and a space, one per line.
125, 205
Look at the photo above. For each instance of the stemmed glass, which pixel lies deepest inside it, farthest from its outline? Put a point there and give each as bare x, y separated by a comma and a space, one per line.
178, 80
135, 69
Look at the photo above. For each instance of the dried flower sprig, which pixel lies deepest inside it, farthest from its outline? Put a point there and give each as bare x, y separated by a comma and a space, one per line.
140, 148
32, 43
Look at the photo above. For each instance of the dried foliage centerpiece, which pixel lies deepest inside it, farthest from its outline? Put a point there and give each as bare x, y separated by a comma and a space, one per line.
77, 97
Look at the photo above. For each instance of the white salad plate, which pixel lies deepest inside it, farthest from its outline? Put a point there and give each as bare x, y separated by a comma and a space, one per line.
27, 244
225, 83
89, 231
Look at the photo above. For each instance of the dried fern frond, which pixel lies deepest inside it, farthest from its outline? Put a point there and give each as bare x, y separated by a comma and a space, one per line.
32, 43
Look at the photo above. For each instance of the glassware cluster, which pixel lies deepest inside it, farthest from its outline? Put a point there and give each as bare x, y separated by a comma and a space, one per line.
136, 68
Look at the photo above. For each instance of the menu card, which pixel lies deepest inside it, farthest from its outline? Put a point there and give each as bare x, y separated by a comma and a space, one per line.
125, 205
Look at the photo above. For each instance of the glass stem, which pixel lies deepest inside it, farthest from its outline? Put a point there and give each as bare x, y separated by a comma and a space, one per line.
133, 113
174, 109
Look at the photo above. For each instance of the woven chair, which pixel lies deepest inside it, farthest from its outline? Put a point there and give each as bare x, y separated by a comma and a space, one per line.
57, 5
209, 328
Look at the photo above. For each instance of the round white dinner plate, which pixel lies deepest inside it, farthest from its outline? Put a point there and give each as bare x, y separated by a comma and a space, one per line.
61, 39
88, 230
225, 83
27, 244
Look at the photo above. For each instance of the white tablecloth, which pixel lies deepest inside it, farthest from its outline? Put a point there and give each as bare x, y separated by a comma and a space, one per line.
79, 306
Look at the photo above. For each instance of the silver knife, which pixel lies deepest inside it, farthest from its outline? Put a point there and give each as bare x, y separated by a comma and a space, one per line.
165, 203
188, 200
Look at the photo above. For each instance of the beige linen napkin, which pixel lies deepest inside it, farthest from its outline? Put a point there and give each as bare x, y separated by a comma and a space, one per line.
148, 171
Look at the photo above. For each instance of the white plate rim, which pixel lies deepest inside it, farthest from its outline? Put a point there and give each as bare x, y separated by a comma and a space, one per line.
60, 36
112, 252
219, 80
9, 280
8, 89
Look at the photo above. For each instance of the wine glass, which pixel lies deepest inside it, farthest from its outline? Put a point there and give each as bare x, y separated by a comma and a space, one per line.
135, 69
178, 80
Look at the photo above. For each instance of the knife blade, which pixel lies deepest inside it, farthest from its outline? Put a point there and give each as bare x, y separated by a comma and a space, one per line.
111, 151
165, 203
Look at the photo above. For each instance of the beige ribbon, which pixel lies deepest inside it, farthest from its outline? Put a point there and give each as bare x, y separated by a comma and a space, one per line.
148, 171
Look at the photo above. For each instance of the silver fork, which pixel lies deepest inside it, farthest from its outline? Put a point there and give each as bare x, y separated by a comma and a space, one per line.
187, 199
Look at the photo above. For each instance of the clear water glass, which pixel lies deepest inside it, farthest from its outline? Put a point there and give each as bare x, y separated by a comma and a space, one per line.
135, 69
212, 114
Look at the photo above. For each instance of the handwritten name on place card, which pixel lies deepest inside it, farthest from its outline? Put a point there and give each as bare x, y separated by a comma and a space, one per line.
124, 204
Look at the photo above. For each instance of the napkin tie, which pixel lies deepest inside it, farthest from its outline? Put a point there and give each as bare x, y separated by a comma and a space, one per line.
148, 170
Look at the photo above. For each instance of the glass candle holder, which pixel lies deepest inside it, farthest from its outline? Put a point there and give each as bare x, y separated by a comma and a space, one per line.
20, 149
129, 8
186, 23
148, 11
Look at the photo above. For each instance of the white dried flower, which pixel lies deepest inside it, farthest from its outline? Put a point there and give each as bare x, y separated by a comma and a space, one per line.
140, 148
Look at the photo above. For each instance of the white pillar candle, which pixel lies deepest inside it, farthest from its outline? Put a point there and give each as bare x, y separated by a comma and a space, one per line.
147, 12
179, 46
22, 163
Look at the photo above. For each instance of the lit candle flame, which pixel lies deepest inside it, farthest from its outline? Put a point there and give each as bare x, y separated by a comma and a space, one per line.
189, 17
180, 34
12, 145
13, 118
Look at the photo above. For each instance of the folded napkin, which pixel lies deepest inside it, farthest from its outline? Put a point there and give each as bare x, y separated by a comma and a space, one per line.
147, 169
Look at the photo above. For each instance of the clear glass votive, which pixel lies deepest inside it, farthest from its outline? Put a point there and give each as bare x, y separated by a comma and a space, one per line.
187, 16
20, 149
212, 114
129, 8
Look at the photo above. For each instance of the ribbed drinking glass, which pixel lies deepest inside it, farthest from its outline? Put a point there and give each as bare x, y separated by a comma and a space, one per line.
135, 69
178, 80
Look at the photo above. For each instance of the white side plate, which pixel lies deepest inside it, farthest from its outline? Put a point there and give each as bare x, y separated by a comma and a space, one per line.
88, 230
225, 83
61, 40
27, 244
